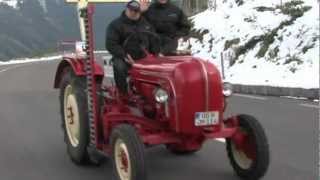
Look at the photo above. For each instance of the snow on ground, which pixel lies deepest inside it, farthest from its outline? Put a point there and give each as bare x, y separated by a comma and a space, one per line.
29, 60
48, 58
11, 3
296, 62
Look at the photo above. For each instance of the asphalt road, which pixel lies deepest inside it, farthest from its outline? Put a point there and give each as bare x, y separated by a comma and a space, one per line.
32, 147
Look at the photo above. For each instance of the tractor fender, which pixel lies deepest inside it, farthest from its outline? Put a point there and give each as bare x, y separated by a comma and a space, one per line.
78, 68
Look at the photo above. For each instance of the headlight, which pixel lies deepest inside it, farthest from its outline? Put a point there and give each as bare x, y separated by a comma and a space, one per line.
161, 95
227, 89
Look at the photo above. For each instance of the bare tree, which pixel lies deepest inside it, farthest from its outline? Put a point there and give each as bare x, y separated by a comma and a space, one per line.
192, 7
212, 5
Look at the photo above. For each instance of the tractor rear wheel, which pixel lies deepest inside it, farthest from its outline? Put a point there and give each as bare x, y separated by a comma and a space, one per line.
127, 154
74, 113
248, 150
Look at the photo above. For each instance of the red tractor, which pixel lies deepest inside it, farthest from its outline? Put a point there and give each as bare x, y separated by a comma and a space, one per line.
178, 101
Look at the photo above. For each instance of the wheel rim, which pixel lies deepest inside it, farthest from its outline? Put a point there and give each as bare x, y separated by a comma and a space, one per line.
122, 160
241, 158
244, 153
71, 116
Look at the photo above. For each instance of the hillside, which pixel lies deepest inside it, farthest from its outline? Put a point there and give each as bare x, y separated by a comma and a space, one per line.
33, 27
269, 44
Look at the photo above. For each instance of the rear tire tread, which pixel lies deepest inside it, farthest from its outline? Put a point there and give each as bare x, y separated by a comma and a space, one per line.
79, 155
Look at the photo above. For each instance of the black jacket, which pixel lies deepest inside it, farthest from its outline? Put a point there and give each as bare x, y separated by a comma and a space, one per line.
168, 20
124, 37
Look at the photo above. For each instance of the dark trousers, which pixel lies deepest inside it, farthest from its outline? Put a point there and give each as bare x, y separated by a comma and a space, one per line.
120, 69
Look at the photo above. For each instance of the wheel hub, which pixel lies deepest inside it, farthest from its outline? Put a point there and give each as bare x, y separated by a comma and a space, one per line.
122, 160
71, 114
243, 149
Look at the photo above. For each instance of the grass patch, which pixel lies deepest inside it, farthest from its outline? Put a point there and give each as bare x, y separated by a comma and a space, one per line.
248, 46
229, 43
264, 8
307, 47
198, 34
293, 69
274, 52
293, 58
249, 19
267, 39
294, 8
240, 2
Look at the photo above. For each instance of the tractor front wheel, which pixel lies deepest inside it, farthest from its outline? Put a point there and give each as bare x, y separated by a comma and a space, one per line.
248, 149
127, 154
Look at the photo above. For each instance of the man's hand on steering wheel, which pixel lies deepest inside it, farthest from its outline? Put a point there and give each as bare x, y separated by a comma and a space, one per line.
129, 59
152, 45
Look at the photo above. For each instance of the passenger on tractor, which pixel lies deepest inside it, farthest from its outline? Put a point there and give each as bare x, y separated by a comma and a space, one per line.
127, 44
169, 21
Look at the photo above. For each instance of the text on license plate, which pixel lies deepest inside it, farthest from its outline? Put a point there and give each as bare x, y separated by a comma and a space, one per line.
206, 118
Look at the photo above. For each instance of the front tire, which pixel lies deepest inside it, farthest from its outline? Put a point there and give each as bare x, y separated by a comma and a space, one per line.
127, 154
250, 158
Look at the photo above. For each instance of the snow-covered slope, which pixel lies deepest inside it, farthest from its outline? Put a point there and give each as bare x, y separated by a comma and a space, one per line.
272, 45
14, 3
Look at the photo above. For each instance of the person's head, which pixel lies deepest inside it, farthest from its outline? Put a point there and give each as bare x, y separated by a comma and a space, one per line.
133, 11
162, 1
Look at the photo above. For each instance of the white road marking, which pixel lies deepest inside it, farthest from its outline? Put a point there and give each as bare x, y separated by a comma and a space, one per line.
250, 96
6, 69
12, 67
310, 105
292, 97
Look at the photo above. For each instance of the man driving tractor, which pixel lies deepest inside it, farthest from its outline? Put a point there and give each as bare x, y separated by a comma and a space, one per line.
126, 44
169, 21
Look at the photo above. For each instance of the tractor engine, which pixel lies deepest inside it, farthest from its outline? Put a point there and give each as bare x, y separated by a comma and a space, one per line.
178, 90
148, 104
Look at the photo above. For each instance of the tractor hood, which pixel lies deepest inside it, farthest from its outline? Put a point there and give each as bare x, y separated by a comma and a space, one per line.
161, 64
194, 86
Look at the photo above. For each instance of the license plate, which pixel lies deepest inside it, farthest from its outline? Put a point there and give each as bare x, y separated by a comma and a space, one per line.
206, 118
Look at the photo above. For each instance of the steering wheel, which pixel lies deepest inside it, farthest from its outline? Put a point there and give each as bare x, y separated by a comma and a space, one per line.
146, 40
